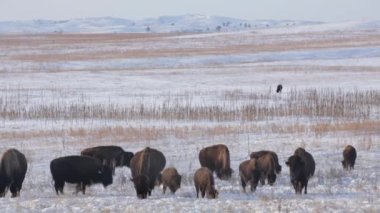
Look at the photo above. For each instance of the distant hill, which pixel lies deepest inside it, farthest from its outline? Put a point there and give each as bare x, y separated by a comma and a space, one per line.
184, 23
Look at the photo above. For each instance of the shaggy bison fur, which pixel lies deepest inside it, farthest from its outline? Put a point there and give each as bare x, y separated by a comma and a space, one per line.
249, 173
112, 156
216, 158
170, 178
301, 168
259, 154
204, 182
12, 172
82, 170
349, 157
148, 162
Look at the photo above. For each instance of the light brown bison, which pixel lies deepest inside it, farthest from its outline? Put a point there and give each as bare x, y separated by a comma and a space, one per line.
170, 178
204, 182
149, 162
349, 157
112, 156
216, 158
249, 172
12, 172
301, 168
267, 165
258, 154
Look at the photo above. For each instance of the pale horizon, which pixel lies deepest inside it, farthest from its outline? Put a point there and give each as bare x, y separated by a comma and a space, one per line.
306, 10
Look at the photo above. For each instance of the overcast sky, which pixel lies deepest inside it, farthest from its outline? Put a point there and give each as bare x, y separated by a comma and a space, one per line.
315, 10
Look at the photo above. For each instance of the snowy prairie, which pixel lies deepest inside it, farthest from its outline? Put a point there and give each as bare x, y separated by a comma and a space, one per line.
180, 92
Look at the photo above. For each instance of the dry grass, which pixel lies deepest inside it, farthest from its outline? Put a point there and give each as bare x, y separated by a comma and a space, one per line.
314, 105
48, 48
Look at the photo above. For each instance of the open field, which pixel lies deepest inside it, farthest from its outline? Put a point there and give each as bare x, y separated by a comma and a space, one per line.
60, 93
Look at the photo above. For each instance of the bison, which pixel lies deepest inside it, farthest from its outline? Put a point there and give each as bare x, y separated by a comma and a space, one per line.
170, 178
267, 165
141, 183
249, 172
113, 156
204, 182
279, 88
216, 158
149, 162
12, 172
301, 168
308, 159
349, 157
82, 170
258, 154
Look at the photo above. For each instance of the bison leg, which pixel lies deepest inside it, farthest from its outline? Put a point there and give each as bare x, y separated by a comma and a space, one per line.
113, 166
15, 189
164, 188
203, 192
305, 188
197, 190
58, 185
294, 183
243, 184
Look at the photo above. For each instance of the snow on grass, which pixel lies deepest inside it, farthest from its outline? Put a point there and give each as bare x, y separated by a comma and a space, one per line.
226, 82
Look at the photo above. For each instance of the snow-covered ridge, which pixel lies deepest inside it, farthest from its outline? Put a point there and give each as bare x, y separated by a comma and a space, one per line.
184, 23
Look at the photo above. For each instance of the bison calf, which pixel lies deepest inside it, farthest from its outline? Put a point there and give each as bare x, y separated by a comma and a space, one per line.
249, 172
349, 157
170, 178
82, 170
204, 182
12, 172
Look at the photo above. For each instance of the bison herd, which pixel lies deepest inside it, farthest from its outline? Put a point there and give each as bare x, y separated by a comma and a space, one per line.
97, 165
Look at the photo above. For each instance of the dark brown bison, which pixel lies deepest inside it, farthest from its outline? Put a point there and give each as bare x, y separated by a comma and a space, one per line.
279, 88
349, 157
267, 165
258, 154
113, 156
308, 159
204, 182
216, 158
82, 170
249, 173
149, 162
301, 168
170, 178
141, 183
12, 172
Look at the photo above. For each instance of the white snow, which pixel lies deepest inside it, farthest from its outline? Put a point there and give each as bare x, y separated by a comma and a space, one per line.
212, 79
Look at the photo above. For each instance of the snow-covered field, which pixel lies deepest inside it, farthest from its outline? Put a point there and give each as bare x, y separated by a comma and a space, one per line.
60, 93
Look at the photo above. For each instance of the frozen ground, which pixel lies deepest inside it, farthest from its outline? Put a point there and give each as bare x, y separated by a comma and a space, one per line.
224, 70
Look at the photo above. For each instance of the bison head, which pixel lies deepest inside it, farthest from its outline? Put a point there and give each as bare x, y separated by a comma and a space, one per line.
296, 165
224, 173
212, 193
141, 183
105, 175
255, 177
271, 179
344, 164
126, 159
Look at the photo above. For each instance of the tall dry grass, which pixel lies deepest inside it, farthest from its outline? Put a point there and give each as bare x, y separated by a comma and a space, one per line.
316, 105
